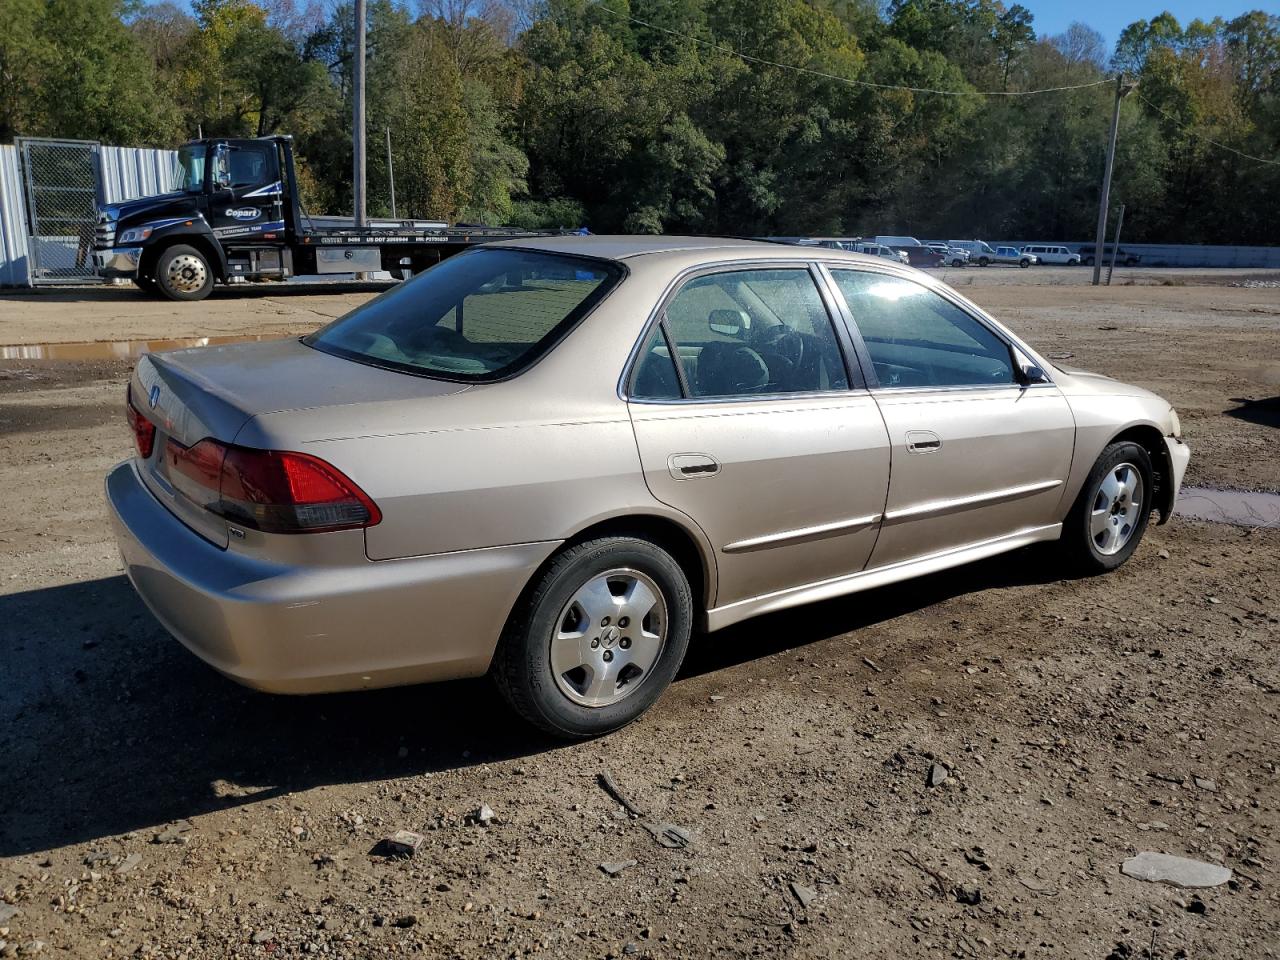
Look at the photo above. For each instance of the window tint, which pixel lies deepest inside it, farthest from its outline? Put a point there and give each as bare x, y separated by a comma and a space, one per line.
919, 339
754, 332
480, 315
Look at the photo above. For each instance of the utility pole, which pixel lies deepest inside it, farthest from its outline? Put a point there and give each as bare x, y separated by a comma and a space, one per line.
1115, 250
1101, 236
357, 119
391, 175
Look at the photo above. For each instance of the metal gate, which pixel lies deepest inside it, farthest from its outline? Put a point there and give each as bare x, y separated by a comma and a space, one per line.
61, 178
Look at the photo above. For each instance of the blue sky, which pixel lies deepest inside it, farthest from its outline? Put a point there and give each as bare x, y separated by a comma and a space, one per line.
1109, 17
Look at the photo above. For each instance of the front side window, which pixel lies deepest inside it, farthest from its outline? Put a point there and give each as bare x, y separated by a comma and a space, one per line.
188, 174
481, 315
917, 338
743, 333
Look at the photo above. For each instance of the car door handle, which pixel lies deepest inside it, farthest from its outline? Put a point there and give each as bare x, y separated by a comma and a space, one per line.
923, 441
690, 466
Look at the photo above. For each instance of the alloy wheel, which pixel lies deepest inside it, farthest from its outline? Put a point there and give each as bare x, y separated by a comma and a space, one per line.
609, 637
1116, 509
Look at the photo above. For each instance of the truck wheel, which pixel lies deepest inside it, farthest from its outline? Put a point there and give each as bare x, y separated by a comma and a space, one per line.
183, 273
983, 261
957, 262
1024, 263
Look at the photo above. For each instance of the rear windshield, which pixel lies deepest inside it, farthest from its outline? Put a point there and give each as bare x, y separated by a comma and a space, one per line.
482, 315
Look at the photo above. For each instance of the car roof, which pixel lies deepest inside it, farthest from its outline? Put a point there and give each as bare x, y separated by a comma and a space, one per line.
625, 247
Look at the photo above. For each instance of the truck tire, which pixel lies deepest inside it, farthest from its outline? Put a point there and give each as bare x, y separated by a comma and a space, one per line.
183, 273
1024, 263
984, 262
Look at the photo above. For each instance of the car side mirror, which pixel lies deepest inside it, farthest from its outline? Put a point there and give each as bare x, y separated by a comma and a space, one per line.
1032, 373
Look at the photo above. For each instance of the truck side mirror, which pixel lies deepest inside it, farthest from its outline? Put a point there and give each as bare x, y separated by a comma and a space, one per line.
222, 166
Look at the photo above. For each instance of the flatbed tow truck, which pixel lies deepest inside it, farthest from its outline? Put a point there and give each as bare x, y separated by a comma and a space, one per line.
234, 215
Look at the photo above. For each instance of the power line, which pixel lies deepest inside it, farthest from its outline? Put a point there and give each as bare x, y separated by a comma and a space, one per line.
846, 80
1222, 146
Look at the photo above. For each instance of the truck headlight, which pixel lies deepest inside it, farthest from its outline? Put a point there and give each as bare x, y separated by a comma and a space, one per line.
133, 235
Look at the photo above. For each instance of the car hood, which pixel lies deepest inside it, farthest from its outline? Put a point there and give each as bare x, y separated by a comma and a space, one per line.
214, 391
1076, 382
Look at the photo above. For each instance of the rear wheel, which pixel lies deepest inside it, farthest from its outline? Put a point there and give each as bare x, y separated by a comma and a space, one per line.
957, 262
983, 261
183, 273
597, 639
1088, 261
1110, 516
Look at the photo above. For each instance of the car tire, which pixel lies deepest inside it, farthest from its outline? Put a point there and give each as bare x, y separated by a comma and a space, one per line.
957, 262
559, 619
183, 273
1104, 527
983, 262
1024, 263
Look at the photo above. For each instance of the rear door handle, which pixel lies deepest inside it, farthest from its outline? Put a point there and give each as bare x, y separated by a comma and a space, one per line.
691, 466
923, 441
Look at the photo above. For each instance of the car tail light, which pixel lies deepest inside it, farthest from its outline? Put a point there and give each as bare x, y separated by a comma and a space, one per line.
144, 431
275, 491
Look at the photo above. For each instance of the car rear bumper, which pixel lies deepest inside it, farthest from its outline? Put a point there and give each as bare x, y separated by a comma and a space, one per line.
118, 262
312, 629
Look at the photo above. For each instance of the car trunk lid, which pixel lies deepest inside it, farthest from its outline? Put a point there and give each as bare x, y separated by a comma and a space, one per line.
214, 391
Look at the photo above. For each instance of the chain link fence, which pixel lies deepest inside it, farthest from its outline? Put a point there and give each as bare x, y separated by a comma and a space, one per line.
61, 178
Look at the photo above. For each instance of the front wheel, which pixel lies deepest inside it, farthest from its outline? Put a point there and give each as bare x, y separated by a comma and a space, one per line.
983, 261
1110, 515
183, 273
1024, 263
597, 639
957, 262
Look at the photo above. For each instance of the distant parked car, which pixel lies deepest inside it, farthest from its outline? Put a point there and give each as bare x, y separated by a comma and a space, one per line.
920, 255
956, 256
880, 250
1010, 255
1053, 254
1123, 256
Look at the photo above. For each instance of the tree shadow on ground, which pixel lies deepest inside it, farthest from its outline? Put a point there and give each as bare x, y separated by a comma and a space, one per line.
1264, 412
108, 725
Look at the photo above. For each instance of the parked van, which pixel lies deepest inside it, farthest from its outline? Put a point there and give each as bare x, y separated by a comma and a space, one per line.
980, 252
881, 250
1053, 254
899, 241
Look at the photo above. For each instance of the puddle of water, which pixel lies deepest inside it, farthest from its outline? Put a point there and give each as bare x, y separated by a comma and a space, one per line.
115, 349
1229, 506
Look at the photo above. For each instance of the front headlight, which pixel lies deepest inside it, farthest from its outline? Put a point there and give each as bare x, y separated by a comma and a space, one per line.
134, 235
1175, 425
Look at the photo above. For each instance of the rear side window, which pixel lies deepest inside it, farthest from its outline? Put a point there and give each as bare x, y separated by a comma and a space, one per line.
917, 338
481, 315
743, 333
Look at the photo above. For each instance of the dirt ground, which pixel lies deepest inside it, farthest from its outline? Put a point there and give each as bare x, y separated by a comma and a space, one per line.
150, 808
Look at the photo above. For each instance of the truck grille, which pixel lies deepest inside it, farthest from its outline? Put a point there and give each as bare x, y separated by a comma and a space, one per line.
105, 234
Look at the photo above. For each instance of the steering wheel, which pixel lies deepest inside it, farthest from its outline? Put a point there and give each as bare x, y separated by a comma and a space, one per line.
785, 342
